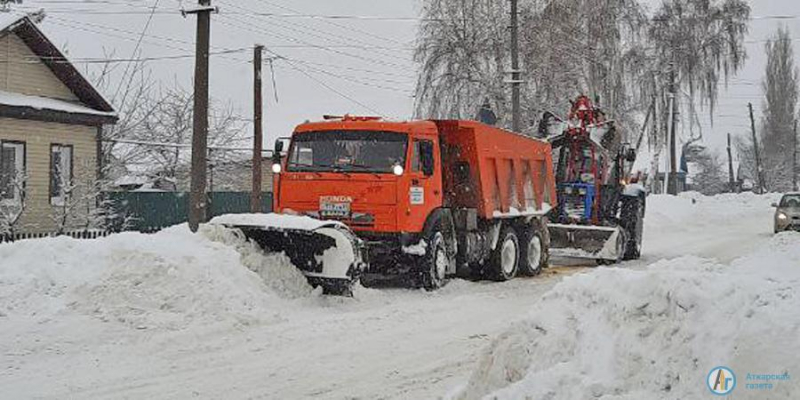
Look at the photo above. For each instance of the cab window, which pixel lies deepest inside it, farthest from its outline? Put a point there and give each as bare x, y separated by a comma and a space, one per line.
418, 148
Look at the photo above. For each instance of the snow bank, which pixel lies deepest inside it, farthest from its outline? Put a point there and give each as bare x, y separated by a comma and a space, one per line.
618, 333
170, 279
692, 210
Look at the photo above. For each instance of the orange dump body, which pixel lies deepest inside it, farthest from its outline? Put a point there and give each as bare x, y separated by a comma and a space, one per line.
497, 172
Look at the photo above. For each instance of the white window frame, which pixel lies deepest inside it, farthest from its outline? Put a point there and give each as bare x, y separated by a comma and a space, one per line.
19, 165
59, 199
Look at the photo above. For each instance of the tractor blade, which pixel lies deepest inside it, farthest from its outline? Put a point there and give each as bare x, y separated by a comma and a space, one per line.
582, 241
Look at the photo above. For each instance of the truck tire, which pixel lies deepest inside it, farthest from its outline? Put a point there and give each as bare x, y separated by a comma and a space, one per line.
504, 264
534, 254
436, 260
632, 219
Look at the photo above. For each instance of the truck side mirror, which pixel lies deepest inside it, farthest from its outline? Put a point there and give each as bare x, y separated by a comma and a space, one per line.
426, 157
278, 146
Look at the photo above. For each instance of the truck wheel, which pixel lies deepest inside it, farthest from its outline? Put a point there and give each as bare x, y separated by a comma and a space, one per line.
632, 218
505, 259
534, 254
434, 274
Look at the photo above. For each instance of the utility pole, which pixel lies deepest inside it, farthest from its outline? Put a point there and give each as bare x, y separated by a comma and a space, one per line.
672, 186
197, 196
255, 196
794, 158
759, 174
515, 72
731, 179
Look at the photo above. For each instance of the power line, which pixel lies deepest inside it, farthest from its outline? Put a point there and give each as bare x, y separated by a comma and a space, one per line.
126, 35
326, 36
95, 60
332, 23
332, 89
259, 30
135, 50
357, 81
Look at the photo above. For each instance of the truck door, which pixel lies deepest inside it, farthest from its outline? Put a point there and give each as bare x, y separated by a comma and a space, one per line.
425, 191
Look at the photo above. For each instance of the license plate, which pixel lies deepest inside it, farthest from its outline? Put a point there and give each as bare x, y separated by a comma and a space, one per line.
334, 207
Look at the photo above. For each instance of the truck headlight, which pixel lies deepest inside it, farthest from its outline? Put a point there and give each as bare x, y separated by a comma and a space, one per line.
397, 170
276, 168
782, 216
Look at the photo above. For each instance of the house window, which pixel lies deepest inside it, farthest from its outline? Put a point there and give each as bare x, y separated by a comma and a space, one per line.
12, 170
60, 173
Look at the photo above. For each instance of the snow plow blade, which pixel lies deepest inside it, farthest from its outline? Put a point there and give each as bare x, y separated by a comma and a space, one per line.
326, 252
602, 243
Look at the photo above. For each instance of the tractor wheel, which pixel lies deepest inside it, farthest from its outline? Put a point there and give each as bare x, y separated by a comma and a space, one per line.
505, 258
632, 219
534, 252
436, 260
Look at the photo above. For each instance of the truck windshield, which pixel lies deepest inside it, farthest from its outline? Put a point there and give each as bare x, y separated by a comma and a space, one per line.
350, 151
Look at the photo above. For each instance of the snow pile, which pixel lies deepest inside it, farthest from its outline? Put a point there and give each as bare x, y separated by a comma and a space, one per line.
165, 280
619, 333
692, 210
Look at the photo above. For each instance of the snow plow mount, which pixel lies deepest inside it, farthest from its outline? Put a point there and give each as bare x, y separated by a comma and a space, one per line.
330, 256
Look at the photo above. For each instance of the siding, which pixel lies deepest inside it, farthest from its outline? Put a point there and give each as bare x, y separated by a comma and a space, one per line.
21, 71
38, 136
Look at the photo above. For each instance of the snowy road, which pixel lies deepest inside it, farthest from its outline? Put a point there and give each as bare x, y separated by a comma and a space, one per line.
385, 343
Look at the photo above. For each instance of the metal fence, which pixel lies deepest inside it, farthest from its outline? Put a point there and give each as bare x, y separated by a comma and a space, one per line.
153, 211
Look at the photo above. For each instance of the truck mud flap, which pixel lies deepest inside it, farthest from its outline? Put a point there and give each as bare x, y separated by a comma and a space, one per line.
330, 256
591, 242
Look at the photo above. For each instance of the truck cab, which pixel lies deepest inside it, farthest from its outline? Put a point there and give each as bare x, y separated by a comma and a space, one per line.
382, 179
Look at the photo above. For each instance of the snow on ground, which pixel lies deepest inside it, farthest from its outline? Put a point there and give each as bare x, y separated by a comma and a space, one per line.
176, 315
656, 332
168, 280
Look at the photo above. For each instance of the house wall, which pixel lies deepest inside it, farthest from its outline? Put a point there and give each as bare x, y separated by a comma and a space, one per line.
21, 71
38, 136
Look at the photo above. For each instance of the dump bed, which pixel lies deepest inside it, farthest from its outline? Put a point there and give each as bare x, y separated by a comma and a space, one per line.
499, 173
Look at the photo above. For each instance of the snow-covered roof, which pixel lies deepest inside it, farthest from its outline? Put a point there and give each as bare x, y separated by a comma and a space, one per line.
7, 19
24, 27
45, 103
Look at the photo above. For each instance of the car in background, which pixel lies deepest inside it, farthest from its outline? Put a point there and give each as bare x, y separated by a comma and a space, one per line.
787, 213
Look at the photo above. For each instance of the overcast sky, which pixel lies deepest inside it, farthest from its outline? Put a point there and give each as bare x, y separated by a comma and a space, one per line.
364, 65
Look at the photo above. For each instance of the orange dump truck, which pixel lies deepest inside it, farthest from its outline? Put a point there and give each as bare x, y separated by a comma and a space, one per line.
430, 198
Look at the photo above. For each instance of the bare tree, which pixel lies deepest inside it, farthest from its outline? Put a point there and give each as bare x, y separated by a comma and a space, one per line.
13, 202
170, 121
567, 47
704, 42
462, 47
711, 175
5, 5
67, 200
745, 153
780, 102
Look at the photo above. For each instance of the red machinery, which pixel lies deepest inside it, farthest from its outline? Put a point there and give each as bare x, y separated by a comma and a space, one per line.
598, 215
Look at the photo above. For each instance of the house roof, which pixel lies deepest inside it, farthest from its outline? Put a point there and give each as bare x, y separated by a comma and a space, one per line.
46, 103
52, 57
